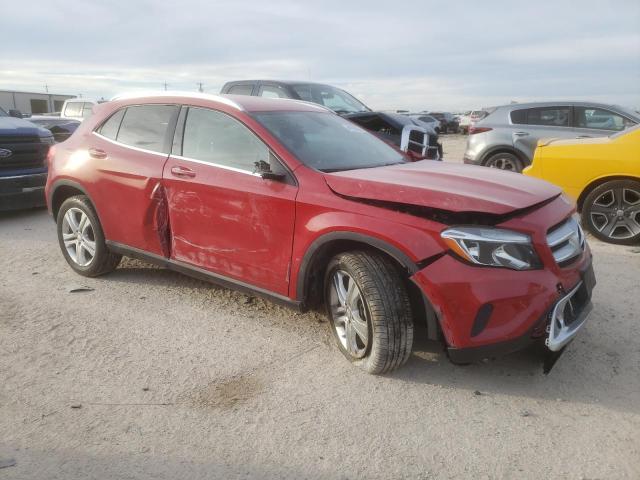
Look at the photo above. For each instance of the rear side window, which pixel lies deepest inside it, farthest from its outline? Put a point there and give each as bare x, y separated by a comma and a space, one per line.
145, 126
216, 138
110, 128
73, 109
600, 119
241, 90
519, 117
272, 91
547, 116
87, 110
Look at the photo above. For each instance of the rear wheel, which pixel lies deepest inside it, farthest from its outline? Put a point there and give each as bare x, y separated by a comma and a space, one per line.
505, 161
81, 238
369, 311
611, 212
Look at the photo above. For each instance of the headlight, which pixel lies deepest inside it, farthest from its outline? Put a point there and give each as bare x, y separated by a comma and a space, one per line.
492, 247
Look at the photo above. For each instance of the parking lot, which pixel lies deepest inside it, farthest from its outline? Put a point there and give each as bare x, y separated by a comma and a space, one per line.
145, 373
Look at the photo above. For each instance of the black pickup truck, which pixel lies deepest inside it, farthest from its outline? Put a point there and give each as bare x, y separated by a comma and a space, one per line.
23, 163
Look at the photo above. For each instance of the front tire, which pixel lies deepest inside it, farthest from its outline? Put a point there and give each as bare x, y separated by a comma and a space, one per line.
505, 161
82, 240
611, 212
369, 311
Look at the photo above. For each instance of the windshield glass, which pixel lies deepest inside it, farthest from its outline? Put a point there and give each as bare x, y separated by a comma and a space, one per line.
333, 98
328, 142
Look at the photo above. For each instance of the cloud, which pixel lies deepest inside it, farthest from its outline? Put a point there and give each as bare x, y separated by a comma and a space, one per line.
413, 54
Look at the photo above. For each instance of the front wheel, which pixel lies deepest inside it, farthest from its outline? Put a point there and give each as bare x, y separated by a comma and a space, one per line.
369, 311
611, 212
82, 240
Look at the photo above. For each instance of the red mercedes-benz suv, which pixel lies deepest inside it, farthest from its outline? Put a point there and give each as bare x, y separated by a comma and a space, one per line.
285, 199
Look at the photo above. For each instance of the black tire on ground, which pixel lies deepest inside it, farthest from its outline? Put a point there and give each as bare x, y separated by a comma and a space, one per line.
386, 305
505, 161
103, 261
611, 212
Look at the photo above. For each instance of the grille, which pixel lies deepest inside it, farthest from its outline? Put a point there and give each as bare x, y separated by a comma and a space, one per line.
25, 154
566, 241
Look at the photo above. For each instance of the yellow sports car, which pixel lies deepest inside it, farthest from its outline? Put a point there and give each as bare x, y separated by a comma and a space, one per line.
602, 175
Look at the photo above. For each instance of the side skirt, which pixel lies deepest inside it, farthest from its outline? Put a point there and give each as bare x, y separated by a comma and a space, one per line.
202, 274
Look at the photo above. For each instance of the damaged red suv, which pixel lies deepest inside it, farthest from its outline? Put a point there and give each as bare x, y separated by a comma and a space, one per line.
287, 200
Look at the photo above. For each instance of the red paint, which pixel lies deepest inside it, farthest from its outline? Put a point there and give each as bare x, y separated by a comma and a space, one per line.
258, 231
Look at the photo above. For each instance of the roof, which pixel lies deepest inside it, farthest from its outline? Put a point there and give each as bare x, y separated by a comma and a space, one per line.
239, 102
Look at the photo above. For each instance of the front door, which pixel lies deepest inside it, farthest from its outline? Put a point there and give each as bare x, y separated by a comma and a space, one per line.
223, 217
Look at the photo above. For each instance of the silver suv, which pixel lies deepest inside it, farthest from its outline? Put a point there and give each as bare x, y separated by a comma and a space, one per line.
508, 136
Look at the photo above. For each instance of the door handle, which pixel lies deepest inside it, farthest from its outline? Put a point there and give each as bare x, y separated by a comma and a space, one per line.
521, 134
97, 153
183, 172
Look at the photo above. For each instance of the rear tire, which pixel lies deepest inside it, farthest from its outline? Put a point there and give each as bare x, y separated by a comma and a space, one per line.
611, 212
82, 240
369, 311
505, 161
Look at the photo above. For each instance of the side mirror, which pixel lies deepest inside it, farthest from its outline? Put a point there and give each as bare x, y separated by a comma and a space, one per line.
264, 170
15, 113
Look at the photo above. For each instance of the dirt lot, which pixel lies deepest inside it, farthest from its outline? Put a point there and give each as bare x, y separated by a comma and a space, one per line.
155, 375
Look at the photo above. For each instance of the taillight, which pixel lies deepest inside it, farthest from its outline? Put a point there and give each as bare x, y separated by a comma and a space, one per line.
50, 154
473, 130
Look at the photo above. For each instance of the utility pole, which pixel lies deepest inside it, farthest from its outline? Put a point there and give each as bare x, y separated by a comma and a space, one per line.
199, 87
165, 86
46, 88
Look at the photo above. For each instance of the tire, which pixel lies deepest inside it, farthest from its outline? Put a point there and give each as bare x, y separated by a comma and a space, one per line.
380, 307
85, 249
611, 212
505, 161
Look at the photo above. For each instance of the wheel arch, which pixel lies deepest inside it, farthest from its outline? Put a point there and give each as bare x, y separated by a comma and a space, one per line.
63, 189
599, 181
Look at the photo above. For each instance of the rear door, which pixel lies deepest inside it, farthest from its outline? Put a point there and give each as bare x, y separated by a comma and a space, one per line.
533, 124
223, 217
130, 150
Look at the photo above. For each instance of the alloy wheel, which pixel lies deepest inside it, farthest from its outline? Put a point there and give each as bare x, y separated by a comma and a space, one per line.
616, 213
349, 314
503, 163
79, 237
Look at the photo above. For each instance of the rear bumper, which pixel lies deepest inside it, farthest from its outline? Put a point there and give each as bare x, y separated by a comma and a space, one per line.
22, 191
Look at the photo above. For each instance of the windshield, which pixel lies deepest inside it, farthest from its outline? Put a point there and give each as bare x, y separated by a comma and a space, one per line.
333, 98
328, 142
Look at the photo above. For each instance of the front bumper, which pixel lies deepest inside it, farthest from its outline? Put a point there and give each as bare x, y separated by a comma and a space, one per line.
22, 191
490, 312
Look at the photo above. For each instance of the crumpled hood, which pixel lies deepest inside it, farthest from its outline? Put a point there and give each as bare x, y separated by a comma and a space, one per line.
444, 186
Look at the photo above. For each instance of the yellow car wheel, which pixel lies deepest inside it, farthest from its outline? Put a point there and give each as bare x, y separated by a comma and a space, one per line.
611, 212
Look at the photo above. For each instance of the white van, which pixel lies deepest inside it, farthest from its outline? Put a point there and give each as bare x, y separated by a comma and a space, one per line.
77, 108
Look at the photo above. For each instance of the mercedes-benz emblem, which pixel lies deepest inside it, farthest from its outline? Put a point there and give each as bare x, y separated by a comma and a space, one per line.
5, 153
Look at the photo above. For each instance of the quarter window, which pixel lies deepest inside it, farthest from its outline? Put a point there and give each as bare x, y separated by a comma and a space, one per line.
600, 119
145, 126
216, 138
241, 90
110, 128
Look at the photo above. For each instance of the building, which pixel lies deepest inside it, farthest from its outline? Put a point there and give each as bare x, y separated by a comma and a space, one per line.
32, 102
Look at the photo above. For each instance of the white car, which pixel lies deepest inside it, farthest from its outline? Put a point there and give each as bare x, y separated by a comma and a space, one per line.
77, 108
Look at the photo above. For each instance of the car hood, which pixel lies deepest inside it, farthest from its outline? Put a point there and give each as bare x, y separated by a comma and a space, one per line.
445, 187
19, 127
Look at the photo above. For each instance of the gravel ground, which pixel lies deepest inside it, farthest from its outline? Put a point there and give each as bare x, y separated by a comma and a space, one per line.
151, 375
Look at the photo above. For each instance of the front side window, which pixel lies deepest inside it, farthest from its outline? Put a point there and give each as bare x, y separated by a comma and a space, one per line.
216, 138
73, 109
333, 98
599, 119
241, 90
548, 116
328, 142
145, 126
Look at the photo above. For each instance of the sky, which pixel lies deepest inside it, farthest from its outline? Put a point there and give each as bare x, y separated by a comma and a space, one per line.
414, 55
